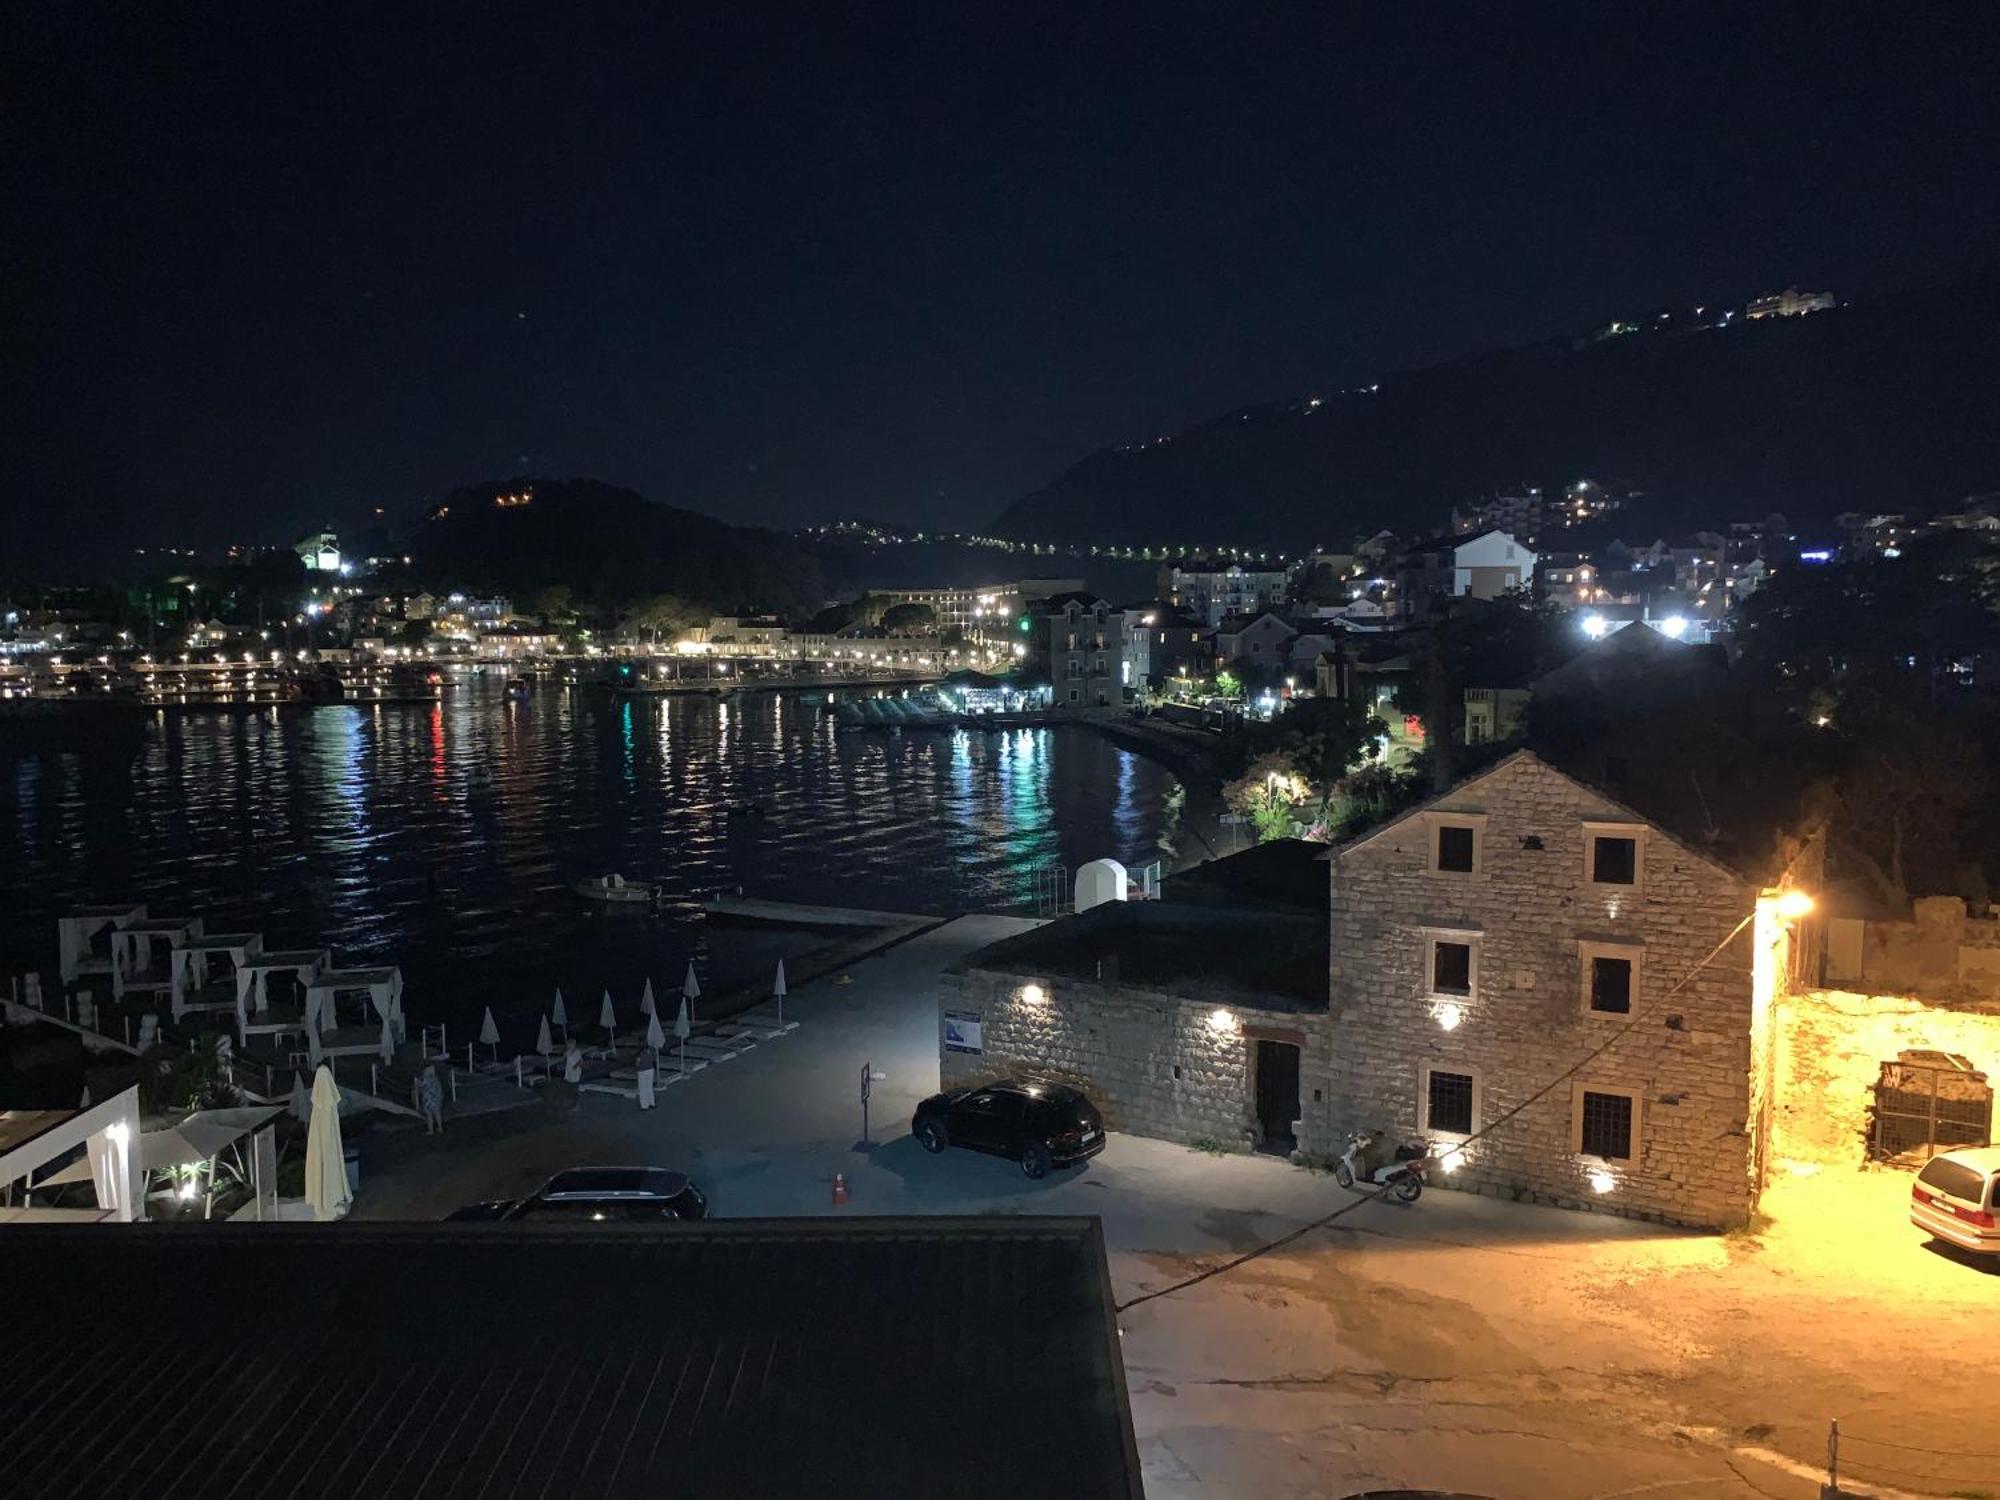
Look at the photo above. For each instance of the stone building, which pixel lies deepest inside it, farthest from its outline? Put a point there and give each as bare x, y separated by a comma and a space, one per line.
1185, 1018
1524, 943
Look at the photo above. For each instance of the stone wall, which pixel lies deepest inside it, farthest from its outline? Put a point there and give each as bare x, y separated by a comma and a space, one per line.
1830, 1047
1940, 953
1684, 1048
1153, 1063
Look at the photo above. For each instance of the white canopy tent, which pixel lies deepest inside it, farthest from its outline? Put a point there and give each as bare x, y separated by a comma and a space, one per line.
136, 960
200, 1138
32, 1139
381, 1026
75, 931
254, 1015
191, 961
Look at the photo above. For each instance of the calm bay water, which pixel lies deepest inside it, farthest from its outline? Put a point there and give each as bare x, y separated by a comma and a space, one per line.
444, 838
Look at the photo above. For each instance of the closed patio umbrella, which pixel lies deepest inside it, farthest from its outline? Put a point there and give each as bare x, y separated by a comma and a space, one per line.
608, 1018
299, 1102
690, 987
544, 1043
655, 1037
388, 1041
778, 990
683, 1028
489, 1034
559, 1013
326, 1164
646, 1007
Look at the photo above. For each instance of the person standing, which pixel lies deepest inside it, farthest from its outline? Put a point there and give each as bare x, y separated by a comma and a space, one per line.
430, 1099
573, 1072
649, 1070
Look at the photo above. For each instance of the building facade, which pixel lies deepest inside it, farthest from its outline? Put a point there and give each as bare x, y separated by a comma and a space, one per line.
1262, 641
1211, 590
1080, 641
1790, 303
1494, 714
988, 608
1468, 565
1525, 953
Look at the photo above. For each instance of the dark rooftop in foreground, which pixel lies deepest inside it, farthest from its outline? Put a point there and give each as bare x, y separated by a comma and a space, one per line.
948, 1356
1247, 929
1283, 872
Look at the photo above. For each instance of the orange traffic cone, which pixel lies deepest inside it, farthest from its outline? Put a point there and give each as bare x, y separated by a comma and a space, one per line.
839, 1189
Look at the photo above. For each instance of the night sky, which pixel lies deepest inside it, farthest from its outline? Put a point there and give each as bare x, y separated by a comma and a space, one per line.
266, 264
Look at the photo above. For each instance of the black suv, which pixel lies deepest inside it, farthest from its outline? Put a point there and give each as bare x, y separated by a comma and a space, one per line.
613, 1195
1038, 1123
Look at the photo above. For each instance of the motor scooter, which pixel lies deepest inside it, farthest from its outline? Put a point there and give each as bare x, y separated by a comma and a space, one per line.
1401, 1171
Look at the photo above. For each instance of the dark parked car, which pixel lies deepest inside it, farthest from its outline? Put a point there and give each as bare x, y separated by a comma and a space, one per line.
616, 1195
1038, 1123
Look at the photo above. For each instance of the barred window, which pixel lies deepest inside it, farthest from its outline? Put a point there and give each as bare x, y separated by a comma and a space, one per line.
1606, 1126
1448, 1102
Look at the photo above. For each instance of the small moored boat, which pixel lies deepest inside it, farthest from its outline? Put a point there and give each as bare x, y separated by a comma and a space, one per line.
616, 889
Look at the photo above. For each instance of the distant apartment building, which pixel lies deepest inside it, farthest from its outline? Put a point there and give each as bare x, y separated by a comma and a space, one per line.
1494, 714
1469, 565
1162, 641
1790, 303
1520, 514
1258, 641
1210, 589
1530, 514
1882, 535
748, 631
1079, 640
1979, 513
511, 642
1525, 953
1565, 578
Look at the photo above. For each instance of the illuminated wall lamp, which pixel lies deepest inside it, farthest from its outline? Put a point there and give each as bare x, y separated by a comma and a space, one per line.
1602, 1181
1034, 994
1221, 1022
1448, 1013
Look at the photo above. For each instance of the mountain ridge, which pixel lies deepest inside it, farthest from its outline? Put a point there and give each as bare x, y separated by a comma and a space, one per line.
1879, 404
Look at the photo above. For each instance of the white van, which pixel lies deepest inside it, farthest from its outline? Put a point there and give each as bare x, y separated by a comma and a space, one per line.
1953, 1199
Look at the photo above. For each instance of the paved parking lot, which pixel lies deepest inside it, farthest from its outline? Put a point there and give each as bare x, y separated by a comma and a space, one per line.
1460, 1343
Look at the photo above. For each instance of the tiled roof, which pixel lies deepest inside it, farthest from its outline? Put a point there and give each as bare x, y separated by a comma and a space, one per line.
966, 1357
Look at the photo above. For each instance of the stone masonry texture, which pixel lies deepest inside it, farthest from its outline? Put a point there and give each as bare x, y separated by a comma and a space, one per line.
1153, 1063
1528, 908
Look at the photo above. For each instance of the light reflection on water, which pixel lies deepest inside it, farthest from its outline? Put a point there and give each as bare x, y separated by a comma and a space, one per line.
445, 837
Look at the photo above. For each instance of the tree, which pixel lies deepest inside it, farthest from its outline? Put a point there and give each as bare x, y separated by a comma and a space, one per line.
910, 619
663, 614
834, 618
1903, 809
1812, 626
555, 604
1268, 793
1324, 737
